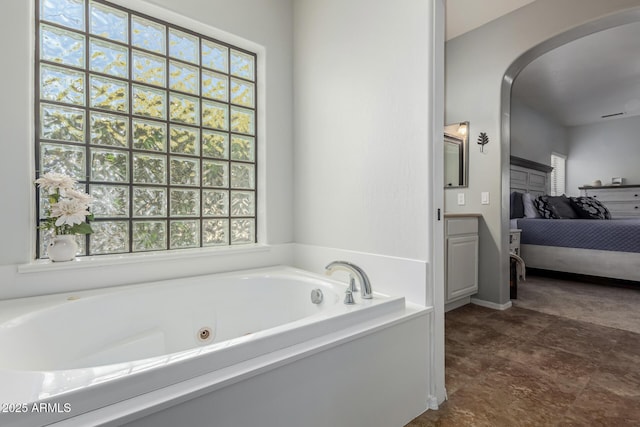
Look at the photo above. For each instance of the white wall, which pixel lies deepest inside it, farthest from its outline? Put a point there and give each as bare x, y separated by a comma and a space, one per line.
16, 124
362, 108
367, 84
475, 66
602, 151
266, 25
535, 135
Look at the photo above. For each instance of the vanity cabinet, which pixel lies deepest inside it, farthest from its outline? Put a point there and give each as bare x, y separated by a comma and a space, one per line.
461, 255
623, 201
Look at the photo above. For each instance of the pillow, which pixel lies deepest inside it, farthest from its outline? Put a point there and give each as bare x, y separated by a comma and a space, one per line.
542, 206
530, 210
561, 207
589, 208
555, 207
517, 208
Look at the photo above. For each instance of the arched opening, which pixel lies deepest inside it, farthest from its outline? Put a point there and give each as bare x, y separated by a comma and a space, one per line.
596, 26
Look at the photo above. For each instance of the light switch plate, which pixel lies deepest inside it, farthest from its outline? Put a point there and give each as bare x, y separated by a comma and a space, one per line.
484, 197
460, 199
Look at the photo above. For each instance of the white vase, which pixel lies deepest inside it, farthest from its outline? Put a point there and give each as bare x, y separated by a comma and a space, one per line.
62, 248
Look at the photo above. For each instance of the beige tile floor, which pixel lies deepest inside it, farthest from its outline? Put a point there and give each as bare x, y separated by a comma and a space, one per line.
521, 367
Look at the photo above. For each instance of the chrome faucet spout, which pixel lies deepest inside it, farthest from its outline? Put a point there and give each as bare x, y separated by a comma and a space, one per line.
354, 270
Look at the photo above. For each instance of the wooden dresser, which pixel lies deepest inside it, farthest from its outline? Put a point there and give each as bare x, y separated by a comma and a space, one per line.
623, 201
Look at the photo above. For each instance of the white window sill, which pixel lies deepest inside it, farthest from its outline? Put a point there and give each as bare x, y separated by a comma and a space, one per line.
45, 265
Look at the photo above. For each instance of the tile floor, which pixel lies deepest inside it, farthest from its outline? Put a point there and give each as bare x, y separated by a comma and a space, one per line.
520, 367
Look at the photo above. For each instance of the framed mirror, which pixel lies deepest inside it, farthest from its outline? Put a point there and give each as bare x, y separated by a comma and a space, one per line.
456, 155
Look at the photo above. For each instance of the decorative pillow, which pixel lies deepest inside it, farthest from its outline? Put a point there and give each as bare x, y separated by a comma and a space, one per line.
555, 207
542, 206
561, 207
517, 208
589, 208
530, 210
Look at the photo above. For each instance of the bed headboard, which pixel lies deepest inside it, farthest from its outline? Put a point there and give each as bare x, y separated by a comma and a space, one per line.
529, 177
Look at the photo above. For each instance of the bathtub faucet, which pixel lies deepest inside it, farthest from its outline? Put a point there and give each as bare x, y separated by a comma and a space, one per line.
353, 270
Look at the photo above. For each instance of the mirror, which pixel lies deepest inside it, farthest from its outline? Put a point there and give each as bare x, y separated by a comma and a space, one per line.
456, 155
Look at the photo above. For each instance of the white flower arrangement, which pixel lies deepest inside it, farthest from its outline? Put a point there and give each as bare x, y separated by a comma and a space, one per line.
69, 208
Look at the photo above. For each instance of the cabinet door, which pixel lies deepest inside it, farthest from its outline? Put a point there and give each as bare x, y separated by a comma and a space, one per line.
462, 266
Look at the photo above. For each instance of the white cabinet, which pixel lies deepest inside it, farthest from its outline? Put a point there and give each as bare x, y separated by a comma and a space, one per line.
461, 256
623, 201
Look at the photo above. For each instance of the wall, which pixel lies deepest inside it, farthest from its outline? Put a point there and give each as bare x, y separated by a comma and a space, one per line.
366, 91
361, 158
266, 26
362, 131
602, 151
534, 135
476, 63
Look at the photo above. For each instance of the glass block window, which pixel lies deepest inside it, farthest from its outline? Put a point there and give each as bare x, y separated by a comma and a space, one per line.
157, 122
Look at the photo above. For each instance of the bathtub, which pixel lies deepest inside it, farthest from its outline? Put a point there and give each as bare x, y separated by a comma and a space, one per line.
124, 354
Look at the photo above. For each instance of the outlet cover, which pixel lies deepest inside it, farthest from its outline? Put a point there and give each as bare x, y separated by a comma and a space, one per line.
484, 197
460, 199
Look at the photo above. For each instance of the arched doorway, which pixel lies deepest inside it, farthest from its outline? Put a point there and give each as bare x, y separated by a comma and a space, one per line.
610, 21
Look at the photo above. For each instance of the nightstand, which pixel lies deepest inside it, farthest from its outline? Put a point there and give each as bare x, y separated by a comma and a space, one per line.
514, 241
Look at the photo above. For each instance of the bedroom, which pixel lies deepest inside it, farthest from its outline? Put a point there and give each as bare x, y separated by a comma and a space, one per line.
579, 105
480, 70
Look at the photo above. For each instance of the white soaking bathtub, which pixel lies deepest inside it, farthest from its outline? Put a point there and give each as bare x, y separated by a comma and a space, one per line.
117, 355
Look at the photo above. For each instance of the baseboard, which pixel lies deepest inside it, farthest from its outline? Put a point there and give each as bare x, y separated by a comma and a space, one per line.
457, 304
433, 402
492, 305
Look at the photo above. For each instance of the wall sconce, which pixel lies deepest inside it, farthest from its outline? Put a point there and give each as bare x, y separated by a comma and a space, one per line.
462, 129
482, 140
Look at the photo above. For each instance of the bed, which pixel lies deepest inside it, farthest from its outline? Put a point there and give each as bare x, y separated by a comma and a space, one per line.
595, 247
605, 248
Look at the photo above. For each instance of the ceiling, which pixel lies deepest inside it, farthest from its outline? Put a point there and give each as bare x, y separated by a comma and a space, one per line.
595, 76
575, 84
466, 15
